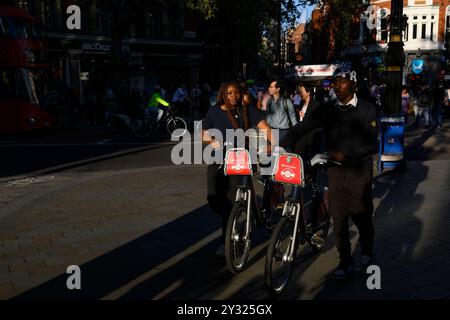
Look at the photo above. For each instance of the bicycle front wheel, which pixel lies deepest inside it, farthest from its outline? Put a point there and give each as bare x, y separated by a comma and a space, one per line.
176, 123
237, 246
278, 268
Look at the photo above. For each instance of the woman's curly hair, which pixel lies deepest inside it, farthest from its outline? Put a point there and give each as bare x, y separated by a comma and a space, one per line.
240, 109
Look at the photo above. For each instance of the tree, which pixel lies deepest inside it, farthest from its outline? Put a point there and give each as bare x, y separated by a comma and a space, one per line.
333, 24
235, 30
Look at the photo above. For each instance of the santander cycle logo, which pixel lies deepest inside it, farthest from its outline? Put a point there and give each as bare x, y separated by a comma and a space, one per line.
238, 167
288, 174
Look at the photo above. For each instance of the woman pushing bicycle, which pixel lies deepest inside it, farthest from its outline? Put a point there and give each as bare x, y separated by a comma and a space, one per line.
230, 113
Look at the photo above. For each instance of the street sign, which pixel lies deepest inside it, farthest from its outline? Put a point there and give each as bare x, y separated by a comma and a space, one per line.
417, 66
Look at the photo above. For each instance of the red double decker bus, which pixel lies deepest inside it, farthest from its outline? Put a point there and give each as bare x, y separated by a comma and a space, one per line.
23, 73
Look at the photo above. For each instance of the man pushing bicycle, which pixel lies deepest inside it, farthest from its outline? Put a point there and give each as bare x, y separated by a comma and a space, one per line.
350, 131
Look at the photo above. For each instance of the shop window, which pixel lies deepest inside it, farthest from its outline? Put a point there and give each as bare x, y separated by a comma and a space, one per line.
384, 31
406, 33
48, 14
5, 28
447, 27
103, 22
25, 5
432, 32
153, 24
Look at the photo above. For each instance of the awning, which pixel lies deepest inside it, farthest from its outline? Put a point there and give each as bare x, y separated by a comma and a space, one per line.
315, 71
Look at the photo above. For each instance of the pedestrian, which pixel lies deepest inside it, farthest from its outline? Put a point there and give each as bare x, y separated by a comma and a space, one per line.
350, 132
310, 144
407, 109
446, 104
252, 89
280, 110
230, 113
439, 98
263, 97
195, 98
247, 98
425, 102
181, 100
297, 99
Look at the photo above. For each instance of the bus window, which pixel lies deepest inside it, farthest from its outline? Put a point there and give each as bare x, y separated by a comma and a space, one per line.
12, 85
25, 29
5, 28
36, 82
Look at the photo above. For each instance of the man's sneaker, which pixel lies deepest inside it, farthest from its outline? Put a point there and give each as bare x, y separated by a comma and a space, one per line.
220, 252
366, 260
343, 271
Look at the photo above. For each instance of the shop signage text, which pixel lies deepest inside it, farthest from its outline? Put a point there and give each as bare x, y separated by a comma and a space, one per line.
100, 47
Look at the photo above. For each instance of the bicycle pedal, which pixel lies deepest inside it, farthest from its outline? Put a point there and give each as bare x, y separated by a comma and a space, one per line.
317, 240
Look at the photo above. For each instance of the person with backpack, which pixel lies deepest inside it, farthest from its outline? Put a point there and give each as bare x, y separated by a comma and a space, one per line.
280, 110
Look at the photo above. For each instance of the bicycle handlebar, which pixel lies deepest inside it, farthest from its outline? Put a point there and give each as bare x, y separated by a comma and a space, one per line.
323, 160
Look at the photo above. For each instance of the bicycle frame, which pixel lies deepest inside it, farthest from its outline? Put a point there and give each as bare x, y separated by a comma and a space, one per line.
245, 191
294, 208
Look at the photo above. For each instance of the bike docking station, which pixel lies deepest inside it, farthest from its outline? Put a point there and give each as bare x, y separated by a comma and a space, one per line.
392, 136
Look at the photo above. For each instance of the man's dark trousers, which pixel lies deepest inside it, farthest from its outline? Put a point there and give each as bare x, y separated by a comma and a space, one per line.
351, 196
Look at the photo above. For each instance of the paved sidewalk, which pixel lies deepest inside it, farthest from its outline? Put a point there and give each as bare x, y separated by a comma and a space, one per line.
147, 234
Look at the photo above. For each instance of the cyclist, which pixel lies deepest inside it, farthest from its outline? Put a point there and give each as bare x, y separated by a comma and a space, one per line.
230, 113
350, 131
154, 104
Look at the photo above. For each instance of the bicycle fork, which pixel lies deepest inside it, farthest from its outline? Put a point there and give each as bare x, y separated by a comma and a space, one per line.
245, 194
296, 210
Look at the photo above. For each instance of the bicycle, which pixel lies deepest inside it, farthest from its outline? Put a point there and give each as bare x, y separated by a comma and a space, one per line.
295, 227
145, 125
246, 212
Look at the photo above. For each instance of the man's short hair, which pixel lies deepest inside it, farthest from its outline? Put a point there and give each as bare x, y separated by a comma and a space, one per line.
308, 86
279, 84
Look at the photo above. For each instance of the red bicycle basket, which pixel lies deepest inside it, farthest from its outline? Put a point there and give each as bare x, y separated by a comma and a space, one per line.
237, 162
289, 169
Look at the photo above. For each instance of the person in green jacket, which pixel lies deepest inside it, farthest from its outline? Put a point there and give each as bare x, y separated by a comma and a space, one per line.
155, 103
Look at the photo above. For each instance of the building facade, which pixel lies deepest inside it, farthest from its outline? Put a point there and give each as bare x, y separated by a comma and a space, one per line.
159, 44
424, 38
425, 32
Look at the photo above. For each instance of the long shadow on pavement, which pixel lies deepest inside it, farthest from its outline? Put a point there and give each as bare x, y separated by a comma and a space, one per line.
117, 268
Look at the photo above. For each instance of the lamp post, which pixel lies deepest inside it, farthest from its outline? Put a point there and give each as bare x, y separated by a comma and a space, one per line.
395, 59
393, 123
279, 45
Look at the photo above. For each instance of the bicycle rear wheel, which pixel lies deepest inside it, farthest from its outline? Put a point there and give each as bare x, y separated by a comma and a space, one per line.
237, 247
176, 123
278, 269
141, 128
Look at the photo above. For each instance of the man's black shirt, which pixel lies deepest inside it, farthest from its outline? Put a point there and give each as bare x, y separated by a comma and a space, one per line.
352, 131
